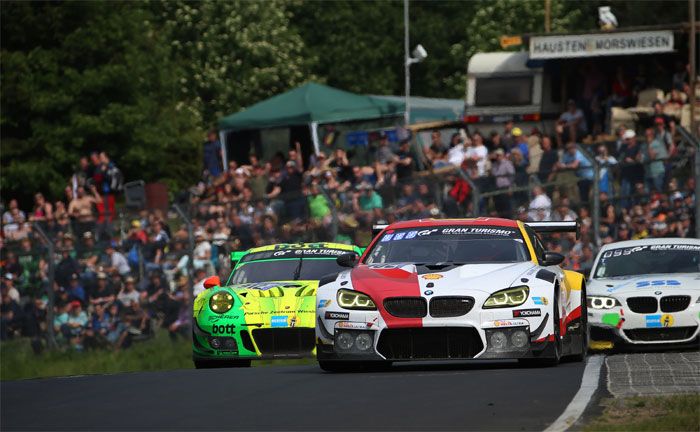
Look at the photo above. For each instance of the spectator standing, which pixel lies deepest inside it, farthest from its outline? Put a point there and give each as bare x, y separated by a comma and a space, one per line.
540, 208
82, 208
548, 162
656, 154
213, 164
12, 220
606, 162
521, 145
404, 164
478, 153
291, 191
573, 159
504, 172
632, 171
572, 122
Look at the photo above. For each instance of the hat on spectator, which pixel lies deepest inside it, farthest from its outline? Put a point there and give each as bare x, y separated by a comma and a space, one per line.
629, 133
129, 279
659, 120
516, 132
87, 234
677, 196
291, 163
74, 276
136, 223
9, 276
199, 233
101, 275
622, 227
67, 236
499, 151
74, 304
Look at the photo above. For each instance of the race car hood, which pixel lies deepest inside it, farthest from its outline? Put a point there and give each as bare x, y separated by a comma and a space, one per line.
641, 284
403, 279
265, 304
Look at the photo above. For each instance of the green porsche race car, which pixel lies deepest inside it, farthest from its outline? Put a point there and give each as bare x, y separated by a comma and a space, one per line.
267, 308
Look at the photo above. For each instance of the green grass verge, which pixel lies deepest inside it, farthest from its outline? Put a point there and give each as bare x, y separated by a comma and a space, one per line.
649, 413
18, 361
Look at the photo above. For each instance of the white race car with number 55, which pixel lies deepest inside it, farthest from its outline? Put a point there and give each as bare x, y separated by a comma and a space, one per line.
452, 289
645, 292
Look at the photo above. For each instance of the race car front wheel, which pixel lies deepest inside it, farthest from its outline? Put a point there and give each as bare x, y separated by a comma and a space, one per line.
213, 364
557, 345
353, 366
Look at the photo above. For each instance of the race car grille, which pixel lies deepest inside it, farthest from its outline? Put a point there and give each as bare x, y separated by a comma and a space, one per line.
284, 341
661, 334
674, 303
406, 307
445, 307
429, 343
643, 305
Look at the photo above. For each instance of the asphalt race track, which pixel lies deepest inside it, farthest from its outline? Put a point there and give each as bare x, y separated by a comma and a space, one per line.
447, 396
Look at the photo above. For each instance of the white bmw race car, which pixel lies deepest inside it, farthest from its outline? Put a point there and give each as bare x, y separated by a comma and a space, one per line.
454, 289
645, 292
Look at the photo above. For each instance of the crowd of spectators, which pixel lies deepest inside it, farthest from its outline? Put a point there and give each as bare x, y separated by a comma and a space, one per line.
118, 277
112, 285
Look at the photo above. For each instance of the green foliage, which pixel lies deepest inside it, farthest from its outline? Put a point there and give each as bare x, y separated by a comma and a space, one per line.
20, 362
101, 78
232, 53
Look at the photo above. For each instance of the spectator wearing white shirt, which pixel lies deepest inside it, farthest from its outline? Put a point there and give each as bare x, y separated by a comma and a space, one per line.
456, 154
117, 260
541, 206
202, 252
479, 154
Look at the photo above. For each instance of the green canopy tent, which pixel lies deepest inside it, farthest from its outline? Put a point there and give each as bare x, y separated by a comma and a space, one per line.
311, 104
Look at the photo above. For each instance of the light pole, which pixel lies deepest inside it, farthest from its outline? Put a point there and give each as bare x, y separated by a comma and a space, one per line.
419, 54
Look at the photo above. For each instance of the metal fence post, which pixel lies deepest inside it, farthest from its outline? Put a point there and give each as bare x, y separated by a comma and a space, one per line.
595, 217
50, 337
190, 250
695, 142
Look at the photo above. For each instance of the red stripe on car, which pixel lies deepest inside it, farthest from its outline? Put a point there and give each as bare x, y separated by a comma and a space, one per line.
380, 284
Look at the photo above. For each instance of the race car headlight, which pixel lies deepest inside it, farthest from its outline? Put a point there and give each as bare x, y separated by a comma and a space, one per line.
601, 302
514, 296
221, 302
355, 300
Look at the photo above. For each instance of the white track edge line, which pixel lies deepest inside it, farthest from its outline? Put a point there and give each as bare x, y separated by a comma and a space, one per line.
589, 384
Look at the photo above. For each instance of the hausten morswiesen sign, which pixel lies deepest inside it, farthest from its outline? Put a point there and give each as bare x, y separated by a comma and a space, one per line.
601, 44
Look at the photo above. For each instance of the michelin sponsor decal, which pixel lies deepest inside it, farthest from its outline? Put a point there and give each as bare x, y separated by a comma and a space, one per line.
517, 313
506, 323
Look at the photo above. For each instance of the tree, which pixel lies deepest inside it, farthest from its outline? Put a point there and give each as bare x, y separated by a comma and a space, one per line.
78, 77
232, 53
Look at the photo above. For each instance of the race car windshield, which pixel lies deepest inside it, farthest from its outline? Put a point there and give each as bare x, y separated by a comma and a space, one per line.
456, 245
293, 267
656, 259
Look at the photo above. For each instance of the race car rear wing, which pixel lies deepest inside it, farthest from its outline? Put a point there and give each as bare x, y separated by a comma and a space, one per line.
556, 227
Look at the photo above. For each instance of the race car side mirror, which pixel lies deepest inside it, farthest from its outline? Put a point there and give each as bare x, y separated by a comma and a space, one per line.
212, 281
552, 259
348, 260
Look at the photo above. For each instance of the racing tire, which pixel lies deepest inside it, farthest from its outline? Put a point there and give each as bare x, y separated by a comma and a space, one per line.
215, 364
353, 366
581, 356
554, 360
